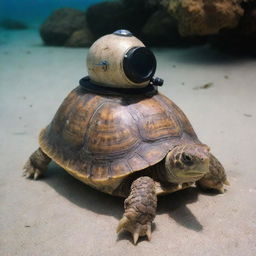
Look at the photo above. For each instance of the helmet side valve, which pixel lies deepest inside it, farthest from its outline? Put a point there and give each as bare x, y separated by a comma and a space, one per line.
103, 64
156, 81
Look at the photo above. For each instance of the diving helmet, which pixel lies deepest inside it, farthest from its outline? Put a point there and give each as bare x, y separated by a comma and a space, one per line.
120, 60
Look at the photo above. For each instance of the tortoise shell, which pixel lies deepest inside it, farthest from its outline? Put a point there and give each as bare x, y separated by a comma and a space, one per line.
101, 139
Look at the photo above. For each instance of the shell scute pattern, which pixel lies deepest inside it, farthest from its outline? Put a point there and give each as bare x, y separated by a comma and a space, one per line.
102, 139
112, 130
173, 110
152, 120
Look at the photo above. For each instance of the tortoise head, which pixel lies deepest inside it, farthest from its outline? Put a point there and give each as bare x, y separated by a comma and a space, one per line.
187, 163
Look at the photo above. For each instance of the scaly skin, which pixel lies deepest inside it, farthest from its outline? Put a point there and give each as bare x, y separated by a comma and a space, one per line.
216, 177
36, 165
140, 208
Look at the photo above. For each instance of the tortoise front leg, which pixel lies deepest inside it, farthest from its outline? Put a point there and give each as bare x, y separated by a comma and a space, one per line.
140, 209
216, 177
36, 165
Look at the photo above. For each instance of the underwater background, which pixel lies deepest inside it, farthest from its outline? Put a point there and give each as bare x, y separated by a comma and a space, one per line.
208, 65
34, 12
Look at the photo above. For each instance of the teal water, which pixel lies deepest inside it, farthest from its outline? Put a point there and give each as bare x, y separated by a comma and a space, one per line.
33, 12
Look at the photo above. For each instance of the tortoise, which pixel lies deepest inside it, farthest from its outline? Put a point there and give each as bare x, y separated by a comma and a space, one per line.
130, 142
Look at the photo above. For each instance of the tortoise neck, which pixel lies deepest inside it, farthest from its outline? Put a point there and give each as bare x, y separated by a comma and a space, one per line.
159, 172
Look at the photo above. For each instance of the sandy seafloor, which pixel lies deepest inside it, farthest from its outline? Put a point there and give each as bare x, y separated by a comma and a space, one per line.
58, 215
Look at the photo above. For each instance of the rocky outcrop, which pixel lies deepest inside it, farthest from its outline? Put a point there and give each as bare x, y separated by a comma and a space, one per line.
13, 24
64, 26
106, 17
80, 38
228, 24
204, 17
241, 39
161, 30
156, 22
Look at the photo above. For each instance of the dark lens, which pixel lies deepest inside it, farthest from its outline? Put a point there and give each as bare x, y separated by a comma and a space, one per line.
139, 64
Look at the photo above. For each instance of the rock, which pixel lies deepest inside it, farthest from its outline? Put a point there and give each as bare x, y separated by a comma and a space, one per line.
13, 24
61, 25
247, 25
106, 17
156, 22
204, 17
161, 30
241, 39
80, 38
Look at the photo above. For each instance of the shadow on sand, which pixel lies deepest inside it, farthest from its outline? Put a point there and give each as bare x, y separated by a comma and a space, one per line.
100, 203
175, 205
82, 195
206, 55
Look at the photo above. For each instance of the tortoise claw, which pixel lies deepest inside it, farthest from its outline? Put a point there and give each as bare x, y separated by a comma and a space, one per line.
148, 232
226, 182
142, 230
37, 174
221, 190
135, 237
136, 229
122, 224
30, 171
179, 186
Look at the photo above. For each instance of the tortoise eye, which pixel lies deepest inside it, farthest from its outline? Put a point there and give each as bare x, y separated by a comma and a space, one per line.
187, 159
